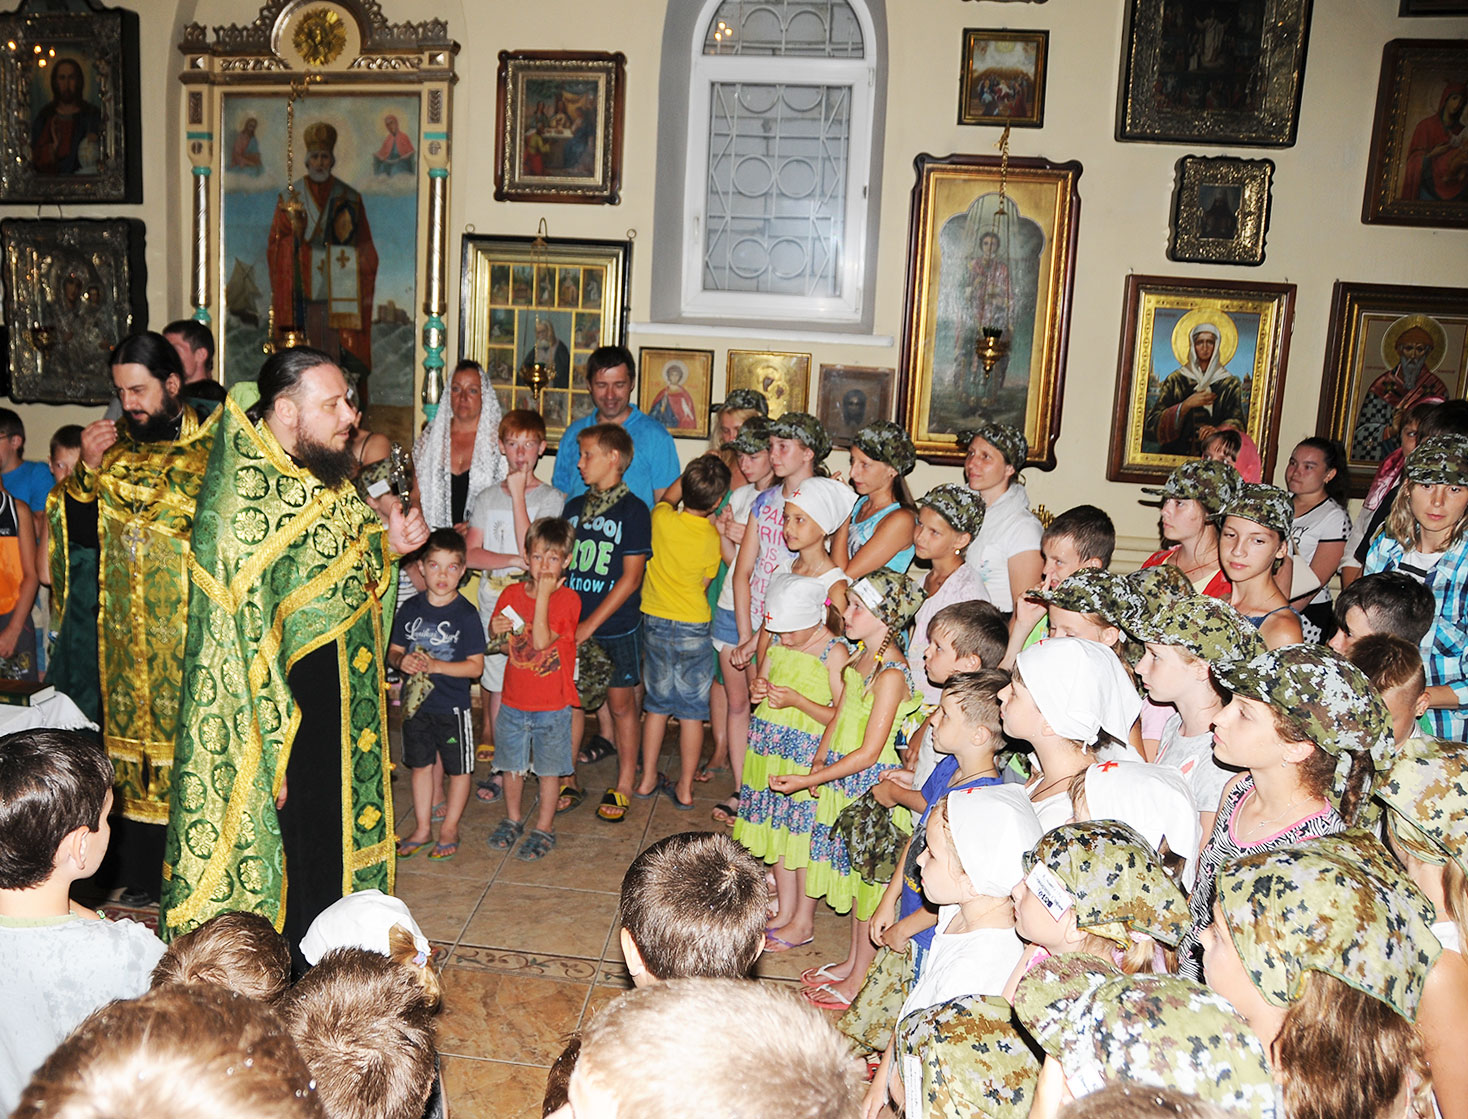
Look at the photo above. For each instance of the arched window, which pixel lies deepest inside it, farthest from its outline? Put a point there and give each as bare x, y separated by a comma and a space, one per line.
780, 158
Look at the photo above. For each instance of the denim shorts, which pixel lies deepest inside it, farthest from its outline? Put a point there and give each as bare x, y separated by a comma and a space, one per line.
678, 668
625, 652
432, 735
534, 741
725, 630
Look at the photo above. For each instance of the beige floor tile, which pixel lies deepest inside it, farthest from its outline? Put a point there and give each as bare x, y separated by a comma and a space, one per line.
588, 860
557, 922
478, 1089
518, 1018
441, 905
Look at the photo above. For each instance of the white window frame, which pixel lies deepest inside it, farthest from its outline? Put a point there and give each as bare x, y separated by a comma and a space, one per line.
859, 75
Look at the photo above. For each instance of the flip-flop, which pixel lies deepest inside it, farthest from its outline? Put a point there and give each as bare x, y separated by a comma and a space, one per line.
442, 851
440, 810
613, 807
774, 943
484, 754
654, 791
826, 997
726, 813
816, 976
572, 796
407, 850
668, 789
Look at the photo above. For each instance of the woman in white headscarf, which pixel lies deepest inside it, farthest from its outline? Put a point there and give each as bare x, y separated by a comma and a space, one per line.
459, 453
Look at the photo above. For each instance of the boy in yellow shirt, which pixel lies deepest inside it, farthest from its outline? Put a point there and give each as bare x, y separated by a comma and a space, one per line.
678, 669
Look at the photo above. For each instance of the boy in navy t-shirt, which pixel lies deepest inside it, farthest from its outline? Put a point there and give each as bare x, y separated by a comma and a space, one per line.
439, 632
613, 542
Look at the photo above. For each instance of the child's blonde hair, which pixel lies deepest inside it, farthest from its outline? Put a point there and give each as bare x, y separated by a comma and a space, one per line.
699, 1043
1402, 526
238, 951
364, 1023
185, 1051
1455, 883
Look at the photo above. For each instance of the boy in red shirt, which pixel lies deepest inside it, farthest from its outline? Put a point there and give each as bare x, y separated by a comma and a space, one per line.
537, 619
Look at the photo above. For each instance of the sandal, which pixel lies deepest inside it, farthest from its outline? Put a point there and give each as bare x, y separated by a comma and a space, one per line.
504, 836
597, 749
571, 797
489, 791
407, 849
657, 787
613, 807
484, 753
443, 851
826, 997
440, 810
818, 976
537, 845
726, 811
668, 789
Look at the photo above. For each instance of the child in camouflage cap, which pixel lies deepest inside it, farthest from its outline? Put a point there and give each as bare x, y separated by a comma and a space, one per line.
1098, 887
1193, 497
1090, 603
1099, 1028
1181, 640
878, 532
1253, 541
1426, 537
1326, 955
1310, 730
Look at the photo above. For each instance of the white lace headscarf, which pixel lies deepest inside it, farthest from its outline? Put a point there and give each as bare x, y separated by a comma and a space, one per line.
1215, 372
431, 456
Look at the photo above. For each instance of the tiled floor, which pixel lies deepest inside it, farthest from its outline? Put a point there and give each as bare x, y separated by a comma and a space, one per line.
529, 950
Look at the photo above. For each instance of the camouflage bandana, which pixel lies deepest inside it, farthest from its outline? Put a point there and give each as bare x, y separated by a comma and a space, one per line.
1361, 848
753, 437
1092, 590
1206, 627
1298, 909
1008, 441
960, 506
973, 1060
1327, 694
1211, 484
1158, 1030
1443, 459
745, 400
593, 674
893, 599
1157, 588
1269, 506
886, 442
1427, 790
803, 428
1114, 877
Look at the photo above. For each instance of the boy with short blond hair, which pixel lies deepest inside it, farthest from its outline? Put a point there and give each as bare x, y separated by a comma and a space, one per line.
1082, 536
60, 961
239, 951
676, 618
613, 543
499, 518
438, 634
536, 620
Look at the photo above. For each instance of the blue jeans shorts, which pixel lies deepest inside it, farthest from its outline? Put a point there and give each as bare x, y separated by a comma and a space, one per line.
625, 651
725, 630
535, 741
678, 668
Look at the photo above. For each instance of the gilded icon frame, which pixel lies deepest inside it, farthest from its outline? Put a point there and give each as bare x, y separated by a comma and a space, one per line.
783, 378
1220, 210
969, 90
655, 393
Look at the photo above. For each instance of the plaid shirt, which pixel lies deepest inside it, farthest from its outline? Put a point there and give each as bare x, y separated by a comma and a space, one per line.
1445, 647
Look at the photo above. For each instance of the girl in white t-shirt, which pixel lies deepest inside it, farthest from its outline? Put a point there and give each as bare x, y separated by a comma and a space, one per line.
1316, 479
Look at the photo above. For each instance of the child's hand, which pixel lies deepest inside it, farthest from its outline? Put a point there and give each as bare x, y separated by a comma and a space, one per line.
895, 939
744, 652
882, 920
759, 689
781, 696
902, 778
583, 633
498, 624
885, 793
415, 662
734, 530
546, 585
516, 481
1027, 613
789, 782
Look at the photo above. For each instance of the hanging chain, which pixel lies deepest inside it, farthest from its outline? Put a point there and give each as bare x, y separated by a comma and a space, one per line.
1003, 146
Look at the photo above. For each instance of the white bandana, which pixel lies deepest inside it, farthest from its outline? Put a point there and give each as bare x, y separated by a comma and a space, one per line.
993, 827
1080, 688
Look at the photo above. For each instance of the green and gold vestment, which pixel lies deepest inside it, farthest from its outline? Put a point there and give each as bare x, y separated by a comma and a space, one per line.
281, 567
144, 495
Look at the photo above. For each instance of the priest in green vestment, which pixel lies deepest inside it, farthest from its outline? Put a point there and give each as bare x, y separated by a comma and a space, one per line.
282, 797
119, 556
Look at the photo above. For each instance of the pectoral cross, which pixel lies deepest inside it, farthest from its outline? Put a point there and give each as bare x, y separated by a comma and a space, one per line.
135, 537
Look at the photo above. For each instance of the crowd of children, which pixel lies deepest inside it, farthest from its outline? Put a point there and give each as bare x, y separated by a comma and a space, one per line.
1197, 831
